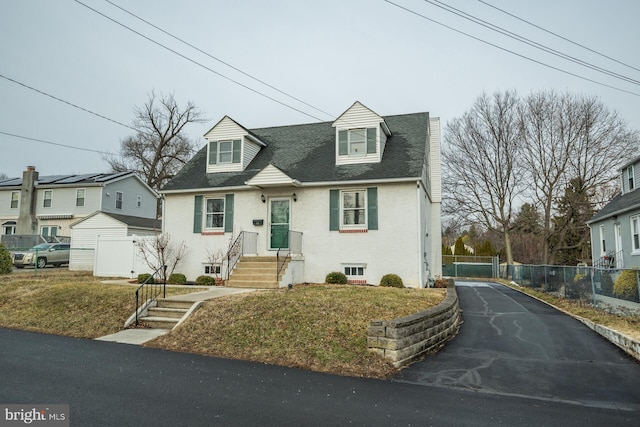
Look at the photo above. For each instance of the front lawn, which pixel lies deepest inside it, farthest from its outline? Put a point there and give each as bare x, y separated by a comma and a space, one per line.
317, 327
62, 302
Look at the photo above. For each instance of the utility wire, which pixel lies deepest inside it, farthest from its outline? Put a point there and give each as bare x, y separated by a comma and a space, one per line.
66, 102
510, 51
559, 36
219, 60
55, 143
199, 64
528, 41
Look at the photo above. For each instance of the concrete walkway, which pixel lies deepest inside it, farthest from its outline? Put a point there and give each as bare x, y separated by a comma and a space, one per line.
141, 336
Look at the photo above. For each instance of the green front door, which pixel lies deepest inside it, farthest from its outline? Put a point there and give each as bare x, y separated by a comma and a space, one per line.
279, 223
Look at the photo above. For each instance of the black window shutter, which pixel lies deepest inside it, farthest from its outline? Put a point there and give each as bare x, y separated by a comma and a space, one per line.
213, 152
371, 140
236, 150
197, 214
228, 213
372, 208
334, 210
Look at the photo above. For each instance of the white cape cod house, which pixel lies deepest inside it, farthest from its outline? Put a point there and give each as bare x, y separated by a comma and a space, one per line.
360, 195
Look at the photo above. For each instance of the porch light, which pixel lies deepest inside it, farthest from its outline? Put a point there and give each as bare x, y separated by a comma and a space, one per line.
263, 198
295, 198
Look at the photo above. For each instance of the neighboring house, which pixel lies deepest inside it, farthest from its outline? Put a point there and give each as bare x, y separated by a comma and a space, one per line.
360, 195
48, 205
86, 232
615, 229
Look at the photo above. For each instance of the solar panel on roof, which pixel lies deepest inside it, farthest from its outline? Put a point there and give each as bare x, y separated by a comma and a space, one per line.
50, 179
77, 178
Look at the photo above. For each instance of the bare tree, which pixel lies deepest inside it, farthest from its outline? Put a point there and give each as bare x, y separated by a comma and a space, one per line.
158, 251
567, 138
481, 173
159, 148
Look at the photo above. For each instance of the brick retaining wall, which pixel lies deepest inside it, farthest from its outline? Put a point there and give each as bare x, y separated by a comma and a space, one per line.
405, 339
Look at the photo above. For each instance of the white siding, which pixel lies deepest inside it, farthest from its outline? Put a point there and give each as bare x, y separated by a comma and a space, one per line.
249, 151
357, 116
84, 236
435, 173
225, 129
270, 175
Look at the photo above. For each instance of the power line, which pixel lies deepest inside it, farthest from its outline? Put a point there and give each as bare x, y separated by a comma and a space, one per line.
56, 144
218, 59
510, 51
559, 36
66, 102
199, 64
528, 41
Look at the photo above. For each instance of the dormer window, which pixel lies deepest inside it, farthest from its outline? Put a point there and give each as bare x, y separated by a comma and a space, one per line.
225, 152
357, 142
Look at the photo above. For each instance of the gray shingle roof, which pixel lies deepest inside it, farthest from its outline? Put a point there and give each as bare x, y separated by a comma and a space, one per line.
306, 153
619, 204
136, 221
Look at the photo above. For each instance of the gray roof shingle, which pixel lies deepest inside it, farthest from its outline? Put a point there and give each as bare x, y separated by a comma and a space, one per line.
619, 204
306, 153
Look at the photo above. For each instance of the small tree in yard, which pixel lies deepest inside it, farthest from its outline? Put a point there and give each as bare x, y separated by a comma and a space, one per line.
159, 251
6, 266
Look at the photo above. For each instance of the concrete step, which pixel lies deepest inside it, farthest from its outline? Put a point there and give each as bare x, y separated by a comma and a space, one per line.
250, 265
171, 303
160, 322
258, 259
257, 284
174, 313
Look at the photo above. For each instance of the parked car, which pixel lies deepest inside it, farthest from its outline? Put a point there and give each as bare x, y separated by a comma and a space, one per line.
44, 254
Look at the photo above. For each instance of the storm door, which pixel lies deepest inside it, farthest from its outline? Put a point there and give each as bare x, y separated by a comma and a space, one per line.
279, 220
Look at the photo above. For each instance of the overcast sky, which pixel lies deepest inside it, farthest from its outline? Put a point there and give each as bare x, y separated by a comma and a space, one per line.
327, 53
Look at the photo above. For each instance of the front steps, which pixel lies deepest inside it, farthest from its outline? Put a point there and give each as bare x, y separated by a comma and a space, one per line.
257, 272
166, 314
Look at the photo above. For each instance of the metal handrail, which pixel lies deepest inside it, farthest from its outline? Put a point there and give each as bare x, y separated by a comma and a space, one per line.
239, 248
148, 292
294, 244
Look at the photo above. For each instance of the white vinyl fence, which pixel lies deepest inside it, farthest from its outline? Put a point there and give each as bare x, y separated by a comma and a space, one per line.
119, 256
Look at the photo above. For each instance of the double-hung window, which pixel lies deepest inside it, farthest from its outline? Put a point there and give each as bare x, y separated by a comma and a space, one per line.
214, 214
225, 152
630, 177
15, 196
119, 199
80, 193
635, 234
354, 212
48, 196
357, 142
603, 241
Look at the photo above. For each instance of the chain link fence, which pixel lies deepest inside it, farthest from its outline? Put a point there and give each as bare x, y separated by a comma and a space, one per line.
613, 290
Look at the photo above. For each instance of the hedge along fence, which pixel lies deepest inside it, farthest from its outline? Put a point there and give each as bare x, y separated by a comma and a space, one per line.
405, 339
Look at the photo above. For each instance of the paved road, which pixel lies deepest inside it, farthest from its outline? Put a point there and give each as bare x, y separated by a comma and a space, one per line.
513, 345
111, 384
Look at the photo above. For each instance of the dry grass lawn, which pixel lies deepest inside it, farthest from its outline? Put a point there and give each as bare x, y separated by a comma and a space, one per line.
317, 327
62, 302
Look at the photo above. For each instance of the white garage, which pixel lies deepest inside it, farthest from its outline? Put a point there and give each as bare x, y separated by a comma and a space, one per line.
85, 234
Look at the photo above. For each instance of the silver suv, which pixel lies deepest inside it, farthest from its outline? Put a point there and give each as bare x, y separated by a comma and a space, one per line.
46, 253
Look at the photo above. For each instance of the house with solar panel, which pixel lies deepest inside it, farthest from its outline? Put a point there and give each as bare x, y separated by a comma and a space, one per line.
47, 206
274, 206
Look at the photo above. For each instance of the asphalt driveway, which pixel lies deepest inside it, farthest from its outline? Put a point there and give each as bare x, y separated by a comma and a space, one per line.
513, 345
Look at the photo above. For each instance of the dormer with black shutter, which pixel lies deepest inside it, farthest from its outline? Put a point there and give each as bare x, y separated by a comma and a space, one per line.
231, 147
361, 136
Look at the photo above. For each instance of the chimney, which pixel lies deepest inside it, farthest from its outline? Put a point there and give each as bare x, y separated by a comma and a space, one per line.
27, 221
